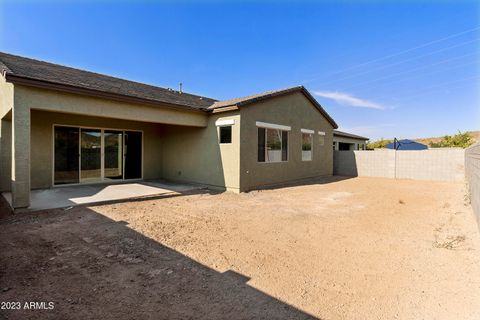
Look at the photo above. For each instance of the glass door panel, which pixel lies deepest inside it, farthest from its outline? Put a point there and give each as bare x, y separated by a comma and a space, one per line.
91, 155
113, 162
66, 155
133, 155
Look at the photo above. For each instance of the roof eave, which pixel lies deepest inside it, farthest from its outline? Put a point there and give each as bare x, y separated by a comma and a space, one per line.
15, 79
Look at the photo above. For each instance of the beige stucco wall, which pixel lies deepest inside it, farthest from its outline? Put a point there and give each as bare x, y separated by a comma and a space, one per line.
6, 104
195, 155
48, 100
6, 97
297, 112
42, 142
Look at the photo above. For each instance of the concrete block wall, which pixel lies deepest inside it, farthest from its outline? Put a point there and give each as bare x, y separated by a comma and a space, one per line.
379, 163
472, 175
446, 164
434, 164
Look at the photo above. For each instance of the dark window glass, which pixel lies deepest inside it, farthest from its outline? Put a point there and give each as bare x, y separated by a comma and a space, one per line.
66, 155
226, 134
261, 144
284, 145
133, 155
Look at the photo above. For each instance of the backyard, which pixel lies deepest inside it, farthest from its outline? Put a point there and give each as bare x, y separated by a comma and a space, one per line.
338, 248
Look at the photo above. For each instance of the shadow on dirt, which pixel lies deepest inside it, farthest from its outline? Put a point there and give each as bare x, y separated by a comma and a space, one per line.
93, 267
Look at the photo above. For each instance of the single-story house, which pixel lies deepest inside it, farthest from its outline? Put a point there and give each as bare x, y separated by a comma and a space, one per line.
62, 126
406, 144
348, 141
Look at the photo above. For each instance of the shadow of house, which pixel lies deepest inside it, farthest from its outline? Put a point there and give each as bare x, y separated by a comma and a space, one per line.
93, 267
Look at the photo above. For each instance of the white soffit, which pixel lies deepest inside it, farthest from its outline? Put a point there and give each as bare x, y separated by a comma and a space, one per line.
321, 133
307, 131
224, 122
272, 126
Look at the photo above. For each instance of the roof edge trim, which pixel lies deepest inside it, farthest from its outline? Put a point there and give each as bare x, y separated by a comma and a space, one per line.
94, 93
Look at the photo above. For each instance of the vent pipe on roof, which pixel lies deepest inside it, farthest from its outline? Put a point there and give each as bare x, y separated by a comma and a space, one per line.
180, 85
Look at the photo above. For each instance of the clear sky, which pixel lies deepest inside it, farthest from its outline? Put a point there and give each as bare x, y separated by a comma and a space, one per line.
401, 69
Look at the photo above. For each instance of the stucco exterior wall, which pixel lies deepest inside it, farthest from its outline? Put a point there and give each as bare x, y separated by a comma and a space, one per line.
195, 154
6, 97
5, 154
6, 104
48, 100
42, 142
298, 112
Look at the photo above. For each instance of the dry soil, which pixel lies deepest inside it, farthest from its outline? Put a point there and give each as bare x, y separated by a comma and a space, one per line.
361, 248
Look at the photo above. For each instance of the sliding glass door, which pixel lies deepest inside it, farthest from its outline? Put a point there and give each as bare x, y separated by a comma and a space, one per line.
85, 155
113, 141
90, 155
66, 155
133, 155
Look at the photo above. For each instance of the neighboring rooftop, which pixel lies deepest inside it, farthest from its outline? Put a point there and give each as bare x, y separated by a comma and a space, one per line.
406, 144
21, 68
348, 135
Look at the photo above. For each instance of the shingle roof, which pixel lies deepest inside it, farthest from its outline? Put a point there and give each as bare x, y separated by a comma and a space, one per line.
271, 94
348, 135
33, 72
26, 68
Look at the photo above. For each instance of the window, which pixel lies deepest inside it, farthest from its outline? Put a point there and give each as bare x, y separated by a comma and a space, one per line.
321, 138
272, 145
307, 146
225, 134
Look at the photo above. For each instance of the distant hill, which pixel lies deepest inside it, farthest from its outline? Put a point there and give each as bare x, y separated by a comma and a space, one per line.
474, 134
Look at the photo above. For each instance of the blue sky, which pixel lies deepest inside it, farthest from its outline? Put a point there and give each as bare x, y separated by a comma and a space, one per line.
395, 69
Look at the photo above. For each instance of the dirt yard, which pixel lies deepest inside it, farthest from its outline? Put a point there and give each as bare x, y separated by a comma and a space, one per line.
362, 248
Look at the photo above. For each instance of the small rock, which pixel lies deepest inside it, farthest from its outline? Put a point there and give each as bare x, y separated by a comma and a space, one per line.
6, 289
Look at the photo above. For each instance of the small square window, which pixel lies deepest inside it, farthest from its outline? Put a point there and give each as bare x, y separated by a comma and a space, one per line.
321, 140
226, 134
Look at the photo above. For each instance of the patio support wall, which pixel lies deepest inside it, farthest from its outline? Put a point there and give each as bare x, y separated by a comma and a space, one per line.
20, 156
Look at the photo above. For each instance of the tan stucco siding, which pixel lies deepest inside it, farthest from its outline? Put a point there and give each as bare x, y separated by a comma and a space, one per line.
6, 97
56, 101
5, 154
6, 104
195, 154
42, 142
297, 112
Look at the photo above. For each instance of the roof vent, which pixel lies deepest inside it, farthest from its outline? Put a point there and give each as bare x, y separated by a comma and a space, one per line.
180, 85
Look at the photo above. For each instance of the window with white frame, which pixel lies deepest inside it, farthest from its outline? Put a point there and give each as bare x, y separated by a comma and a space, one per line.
272, 142
307, 144
225, 130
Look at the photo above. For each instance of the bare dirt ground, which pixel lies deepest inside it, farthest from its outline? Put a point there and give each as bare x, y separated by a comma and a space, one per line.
362, 248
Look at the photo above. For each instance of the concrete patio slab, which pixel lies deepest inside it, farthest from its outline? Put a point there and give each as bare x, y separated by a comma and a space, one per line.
62, 197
